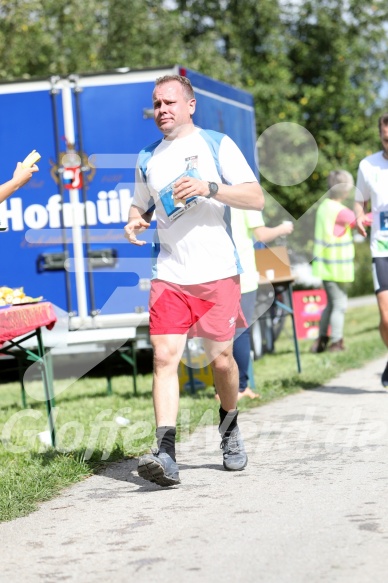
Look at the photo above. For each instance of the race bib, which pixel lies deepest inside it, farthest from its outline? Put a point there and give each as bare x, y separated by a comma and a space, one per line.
384, 221
174, 208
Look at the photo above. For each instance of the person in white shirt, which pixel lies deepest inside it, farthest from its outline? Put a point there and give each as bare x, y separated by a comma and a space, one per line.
190, 179
372, 189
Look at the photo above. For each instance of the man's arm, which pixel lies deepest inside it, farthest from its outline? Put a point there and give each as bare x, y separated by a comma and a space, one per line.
359, 211
20, 177
138, 222
247, 196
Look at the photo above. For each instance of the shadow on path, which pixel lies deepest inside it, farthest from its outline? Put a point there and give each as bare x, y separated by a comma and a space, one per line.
344, 391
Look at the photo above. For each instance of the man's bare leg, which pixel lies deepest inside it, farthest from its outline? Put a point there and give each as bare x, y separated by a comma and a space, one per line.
161, 467
382, 300
225, 373
168, 350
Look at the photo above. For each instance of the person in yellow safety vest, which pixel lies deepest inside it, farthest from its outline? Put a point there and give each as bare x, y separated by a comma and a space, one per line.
334, 258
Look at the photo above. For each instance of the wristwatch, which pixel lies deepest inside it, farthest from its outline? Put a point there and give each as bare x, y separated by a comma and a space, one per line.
213, 189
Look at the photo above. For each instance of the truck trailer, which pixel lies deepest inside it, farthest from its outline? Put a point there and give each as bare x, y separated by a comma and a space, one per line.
62, 235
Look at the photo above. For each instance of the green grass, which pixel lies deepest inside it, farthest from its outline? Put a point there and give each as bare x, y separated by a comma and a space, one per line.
88, 436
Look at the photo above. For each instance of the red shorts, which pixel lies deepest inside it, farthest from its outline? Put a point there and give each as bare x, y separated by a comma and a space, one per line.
207, 310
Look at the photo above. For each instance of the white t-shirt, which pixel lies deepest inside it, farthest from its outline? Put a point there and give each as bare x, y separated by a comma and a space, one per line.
243, 223
197, 247
372, 184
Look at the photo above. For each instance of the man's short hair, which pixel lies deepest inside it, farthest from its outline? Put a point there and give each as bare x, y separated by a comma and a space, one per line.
340, 183
383, 121
184, 81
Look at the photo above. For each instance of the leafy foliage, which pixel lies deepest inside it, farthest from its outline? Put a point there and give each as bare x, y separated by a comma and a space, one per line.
363, 281
317, 63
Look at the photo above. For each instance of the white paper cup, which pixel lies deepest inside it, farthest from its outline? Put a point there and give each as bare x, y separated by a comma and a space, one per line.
45, 437
289, 223
270, 274
122, 421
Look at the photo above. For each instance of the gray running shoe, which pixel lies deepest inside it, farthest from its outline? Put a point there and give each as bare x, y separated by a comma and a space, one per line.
235, 457
159, 468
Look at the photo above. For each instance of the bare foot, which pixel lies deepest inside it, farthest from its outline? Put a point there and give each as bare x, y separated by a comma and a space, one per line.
248, 393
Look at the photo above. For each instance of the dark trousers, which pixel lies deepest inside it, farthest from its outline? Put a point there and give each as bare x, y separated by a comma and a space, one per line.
242, 339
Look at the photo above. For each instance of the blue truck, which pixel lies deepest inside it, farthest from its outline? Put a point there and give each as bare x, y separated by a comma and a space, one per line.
62, 235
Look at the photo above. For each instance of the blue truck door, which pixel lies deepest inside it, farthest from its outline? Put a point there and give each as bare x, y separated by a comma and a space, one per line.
114, 130
26, 124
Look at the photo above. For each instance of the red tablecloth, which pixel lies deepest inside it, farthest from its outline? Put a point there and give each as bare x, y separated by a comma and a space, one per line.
19, 320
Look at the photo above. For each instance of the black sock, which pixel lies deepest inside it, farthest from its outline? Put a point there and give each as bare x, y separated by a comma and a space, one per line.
165, 436
228, 421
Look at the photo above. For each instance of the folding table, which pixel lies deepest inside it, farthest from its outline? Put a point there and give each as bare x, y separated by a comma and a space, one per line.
277, 259
18, 324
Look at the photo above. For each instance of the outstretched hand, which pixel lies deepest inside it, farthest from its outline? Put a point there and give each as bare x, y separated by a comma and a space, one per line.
134, 228
22, 175
360, 225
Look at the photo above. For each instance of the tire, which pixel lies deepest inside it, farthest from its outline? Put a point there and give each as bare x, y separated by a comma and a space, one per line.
278, 317
267, 327
269, 335
256, 340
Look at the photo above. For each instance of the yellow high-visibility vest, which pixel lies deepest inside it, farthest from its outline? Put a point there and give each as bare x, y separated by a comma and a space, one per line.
333, 256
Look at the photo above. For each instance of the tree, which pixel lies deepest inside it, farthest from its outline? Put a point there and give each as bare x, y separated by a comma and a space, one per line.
140, 34
337, 57
316, 63
39, 38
